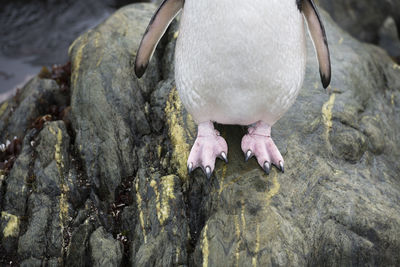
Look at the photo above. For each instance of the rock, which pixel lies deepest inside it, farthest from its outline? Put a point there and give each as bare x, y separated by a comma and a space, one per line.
362, 19
31, 262
105, 250
36, 205
48, 202
102, 62
14, 199
161, 233
389, 38
36, 98
77, 252
33, 242
112, 187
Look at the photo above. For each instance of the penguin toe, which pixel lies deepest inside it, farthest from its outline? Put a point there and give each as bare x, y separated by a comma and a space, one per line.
281, 166
223, 157
265, 151
204, 153
248, 155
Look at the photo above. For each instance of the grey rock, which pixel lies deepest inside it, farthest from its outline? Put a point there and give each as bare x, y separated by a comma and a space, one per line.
362, 19
121, 167
161, 233
103, 90
104, 249
77, 252
389, 38
48, 209
16, 189
31, 262
54, 262
33, 100
14, 198
33, 241
52, 159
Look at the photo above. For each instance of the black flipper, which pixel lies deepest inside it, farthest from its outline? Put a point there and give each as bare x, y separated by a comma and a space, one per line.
317, 33
156, 29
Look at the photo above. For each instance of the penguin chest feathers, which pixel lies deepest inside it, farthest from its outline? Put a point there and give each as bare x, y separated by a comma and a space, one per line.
238, 61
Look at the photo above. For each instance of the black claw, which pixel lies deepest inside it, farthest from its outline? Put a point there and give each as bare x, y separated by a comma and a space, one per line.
248, 155
281, 166
190, 168
266, 167
224, 157
208, 172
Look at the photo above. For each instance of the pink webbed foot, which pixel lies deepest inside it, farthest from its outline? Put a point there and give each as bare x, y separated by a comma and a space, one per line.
258, 143
208, 146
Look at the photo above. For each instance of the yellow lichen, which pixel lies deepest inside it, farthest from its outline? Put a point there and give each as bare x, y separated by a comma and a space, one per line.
242, 214
177, 252
190, 126
97, 37
3, 107
64, 205
159, 151
396, 66
57, 153
257, 248
221, 186
77, 59
176, 34
12, 227
153, 184
58, 156
327, 116
60, 166
99, 60
141, 216
204, 246
77, 40
237, 231
275, 187
232, 182
167, 193
181, 148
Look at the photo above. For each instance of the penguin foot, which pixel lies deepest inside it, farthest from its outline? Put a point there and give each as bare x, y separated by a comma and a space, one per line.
258, 142
208, 146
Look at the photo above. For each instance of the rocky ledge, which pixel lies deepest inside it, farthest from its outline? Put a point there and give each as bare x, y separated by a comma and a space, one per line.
98, 174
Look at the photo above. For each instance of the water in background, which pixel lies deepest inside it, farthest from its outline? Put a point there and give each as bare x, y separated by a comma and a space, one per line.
36, 33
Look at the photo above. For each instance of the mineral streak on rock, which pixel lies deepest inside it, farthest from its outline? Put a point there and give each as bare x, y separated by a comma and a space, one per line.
274, 188
12, 224
327, 117
204, 246
141, 215
163, 197
179, 131
107, 182
3, 107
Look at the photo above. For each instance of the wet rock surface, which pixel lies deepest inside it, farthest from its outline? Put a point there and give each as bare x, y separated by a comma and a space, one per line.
389, 38
104, 249
106, 182
369, 21
362, 18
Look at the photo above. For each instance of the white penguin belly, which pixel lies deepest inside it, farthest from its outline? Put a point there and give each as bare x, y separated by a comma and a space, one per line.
238, 62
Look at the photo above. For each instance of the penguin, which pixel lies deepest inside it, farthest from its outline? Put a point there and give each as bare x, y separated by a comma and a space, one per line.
238, 62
